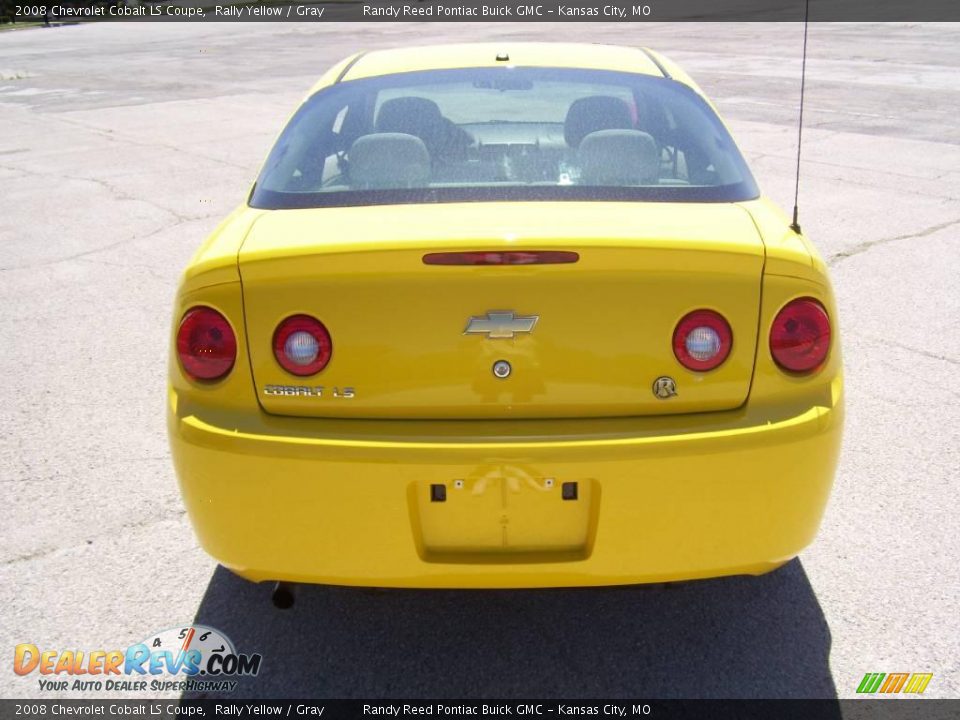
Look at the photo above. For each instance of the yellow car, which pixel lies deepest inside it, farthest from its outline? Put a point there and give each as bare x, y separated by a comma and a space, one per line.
500, 316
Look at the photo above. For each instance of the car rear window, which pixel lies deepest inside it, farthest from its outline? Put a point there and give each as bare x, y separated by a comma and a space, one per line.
503, 133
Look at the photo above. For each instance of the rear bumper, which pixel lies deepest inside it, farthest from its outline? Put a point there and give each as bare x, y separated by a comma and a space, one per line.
349, 502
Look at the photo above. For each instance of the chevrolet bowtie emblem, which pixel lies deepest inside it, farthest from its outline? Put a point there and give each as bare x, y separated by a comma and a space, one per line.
500, 324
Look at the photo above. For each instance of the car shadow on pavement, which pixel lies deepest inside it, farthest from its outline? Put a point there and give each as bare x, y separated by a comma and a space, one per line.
739, 637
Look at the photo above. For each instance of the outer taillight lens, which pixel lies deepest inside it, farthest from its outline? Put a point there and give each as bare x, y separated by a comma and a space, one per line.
302, 345
702, 340
800, 336
206, 344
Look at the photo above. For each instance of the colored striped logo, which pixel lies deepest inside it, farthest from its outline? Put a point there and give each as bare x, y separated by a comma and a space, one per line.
914, 683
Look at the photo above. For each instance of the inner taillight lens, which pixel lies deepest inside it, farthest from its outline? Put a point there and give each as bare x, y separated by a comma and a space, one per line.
800, 336
302, 345
702, 340
206, 344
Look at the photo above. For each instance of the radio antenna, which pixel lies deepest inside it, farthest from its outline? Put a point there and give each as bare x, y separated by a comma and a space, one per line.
795, 225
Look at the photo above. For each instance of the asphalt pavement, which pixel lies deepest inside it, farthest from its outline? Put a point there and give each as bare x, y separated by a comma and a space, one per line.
121, 146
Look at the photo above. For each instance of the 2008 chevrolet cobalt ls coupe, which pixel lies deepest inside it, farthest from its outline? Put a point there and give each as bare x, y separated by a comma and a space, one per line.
505, 316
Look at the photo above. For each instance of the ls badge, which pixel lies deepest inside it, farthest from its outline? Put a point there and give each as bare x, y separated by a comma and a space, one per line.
664, 387
498, 324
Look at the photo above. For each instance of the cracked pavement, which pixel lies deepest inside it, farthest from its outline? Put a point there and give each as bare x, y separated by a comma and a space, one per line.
122, 146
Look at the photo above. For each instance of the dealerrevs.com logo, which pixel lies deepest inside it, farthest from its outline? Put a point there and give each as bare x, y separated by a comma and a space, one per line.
186, 658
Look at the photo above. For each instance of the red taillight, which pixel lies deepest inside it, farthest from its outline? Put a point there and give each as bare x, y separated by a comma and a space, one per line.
302, 345
702, 340
206, 344
800, 336
498, 257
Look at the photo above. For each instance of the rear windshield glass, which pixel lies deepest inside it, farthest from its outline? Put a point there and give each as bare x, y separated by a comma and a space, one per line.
504, 133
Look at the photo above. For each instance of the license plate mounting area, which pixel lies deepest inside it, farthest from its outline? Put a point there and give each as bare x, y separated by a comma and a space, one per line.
504, 513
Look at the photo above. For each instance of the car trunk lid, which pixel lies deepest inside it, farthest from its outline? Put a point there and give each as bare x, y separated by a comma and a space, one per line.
582, 339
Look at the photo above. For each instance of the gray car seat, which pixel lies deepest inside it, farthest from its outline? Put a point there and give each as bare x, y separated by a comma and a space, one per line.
597, 112
422, 118
618, 157
388, 160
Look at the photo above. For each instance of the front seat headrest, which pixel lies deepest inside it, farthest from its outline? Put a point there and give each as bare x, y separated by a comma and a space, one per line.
388, 160
598, 112
411, 115
618, 157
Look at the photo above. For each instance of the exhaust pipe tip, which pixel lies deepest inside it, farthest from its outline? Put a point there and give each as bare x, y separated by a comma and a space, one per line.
283, 597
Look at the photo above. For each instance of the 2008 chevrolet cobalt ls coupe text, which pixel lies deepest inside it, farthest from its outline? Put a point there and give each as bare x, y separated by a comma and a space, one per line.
505, 316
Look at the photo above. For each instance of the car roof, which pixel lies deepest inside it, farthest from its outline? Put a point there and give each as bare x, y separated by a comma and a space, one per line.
468, 55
